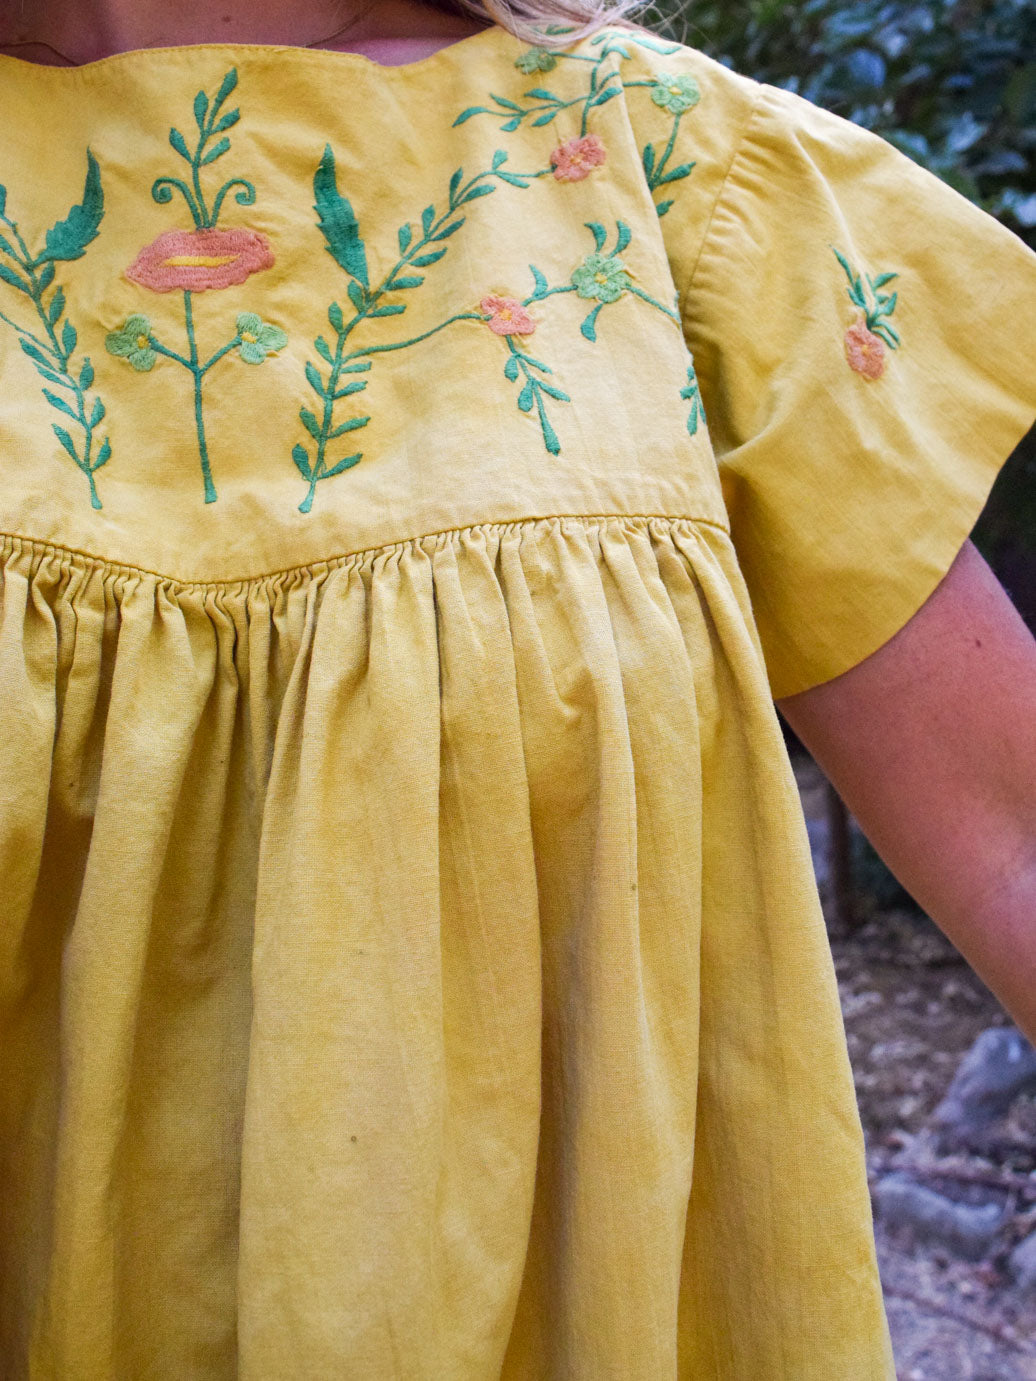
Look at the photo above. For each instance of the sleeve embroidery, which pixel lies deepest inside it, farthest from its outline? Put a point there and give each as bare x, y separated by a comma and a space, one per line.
867, 338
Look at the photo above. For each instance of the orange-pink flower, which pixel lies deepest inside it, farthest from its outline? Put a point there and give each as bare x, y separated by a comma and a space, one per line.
507, 316
864, 350
200, 259
576, 158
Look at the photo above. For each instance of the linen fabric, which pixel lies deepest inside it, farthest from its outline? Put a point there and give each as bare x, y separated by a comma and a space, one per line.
410, 959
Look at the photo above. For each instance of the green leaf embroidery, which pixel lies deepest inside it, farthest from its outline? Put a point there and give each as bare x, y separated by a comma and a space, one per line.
50, 351
867, 337
69, 238
337, 221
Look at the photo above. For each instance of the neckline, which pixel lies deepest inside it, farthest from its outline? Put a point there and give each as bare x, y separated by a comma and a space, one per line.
332, 56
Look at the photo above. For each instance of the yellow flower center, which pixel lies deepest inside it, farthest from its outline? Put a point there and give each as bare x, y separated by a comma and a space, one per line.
504, 313
675, 91
142, 342
600, 278
199, 261
249, 337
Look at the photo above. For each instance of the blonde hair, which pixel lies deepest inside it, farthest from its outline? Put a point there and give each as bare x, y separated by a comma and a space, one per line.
528, 19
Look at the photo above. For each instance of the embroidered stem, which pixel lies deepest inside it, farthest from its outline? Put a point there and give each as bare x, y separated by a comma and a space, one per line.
533, 390
339, 225
666, 311
692, 393
51, 355
199, 419
398, 345
209, 122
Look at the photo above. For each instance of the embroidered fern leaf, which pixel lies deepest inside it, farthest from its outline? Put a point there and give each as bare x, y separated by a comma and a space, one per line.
69, 238
9, 276
345, 464
217, 151
467, 114
179, 143
599, 233
338, 222
66, 441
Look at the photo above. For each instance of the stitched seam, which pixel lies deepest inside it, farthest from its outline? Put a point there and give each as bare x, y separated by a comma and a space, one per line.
12, 541
739, 148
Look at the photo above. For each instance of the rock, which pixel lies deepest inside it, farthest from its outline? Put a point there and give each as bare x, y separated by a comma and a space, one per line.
967, 1230
999, 1066
1022, 1263
820, 847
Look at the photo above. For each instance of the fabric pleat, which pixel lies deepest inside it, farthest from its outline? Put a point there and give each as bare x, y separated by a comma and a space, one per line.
412, 967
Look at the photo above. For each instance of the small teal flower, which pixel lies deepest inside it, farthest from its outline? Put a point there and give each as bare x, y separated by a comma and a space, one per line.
536, 60
257, 338
602, 276
677, 93
133, 343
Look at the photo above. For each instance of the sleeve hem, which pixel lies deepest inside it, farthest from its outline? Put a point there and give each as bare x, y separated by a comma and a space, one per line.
1000, 442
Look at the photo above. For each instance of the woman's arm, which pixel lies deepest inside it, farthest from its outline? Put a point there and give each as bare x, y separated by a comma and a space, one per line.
931, 742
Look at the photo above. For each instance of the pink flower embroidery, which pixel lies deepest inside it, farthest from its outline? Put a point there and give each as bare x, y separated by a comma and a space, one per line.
864, 350
507, 316
198, 259
576, 158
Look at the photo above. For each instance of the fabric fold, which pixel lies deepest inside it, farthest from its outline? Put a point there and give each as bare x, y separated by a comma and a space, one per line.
398, 975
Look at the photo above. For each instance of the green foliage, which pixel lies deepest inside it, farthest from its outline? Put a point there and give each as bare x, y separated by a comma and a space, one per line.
950, 82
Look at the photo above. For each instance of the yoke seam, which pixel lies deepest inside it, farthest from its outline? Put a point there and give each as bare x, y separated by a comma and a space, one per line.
739, 147
12, 540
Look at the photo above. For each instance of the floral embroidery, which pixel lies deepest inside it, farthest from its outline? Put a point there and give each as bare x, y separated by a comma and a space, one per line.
507, 316
340, 228
864, 350
601, 277
258, 339
536, 60
133, 342
676, 94
869, 335
51, 349
198, 260
576, 158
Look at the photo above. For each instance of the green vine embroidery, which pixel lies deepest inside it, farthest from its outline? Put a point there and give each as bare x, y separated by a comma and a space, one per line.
341, 231
194, 261
869, 335
693, 395
601, 277
674, 93
50, 350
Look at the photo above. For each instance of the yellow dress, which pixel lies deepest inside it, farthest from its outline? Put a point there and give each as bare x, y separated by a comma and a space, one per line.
416, 484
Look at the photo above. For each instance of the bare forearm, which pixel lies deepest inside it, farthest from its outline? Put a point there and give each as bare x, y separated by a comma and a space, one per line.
932, 744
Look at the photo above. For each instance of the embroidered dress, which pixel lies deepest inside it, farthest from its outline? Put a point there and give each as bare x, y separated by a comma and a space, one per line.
416, 483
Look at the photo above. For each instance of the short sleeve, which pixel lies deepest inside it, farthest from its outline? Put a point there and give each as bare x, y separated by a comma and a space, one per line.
865, 345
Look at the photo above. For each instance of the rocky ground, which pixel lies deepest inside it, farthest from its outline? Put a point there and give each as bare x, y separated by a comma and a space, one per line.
912, 1010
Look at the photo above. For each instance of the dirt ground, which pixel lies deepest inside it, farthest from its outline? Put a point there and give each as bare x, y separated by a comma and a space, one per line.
912, 1007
